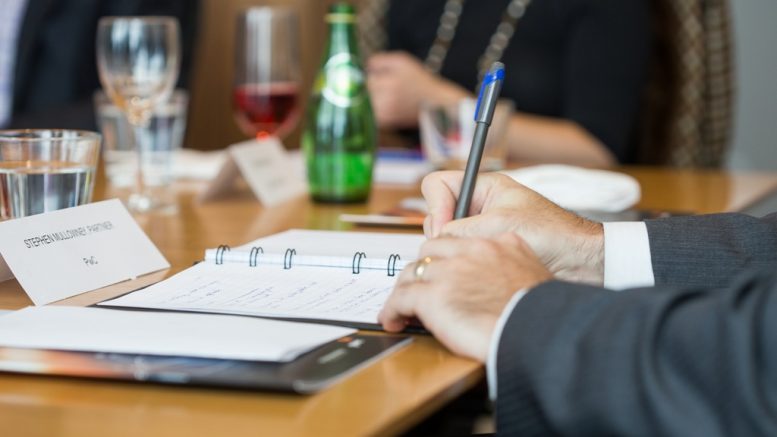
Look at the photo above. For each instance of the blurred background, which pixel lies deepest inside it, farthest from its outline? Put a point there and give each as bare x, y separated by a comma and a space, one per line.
744, 112
755, 130
752, 145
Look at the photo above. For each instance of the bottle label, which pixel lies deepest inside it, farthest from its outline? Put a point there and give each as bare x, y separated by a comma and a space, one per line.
344, 83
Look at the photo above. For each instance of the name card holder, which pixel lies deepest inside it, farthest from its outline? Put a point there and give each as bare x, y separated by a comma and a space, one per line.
62, 254
266, 168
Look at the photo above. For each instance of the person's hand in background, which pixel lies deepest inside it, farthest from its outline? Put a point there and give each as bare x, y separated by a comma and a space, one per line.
399, 83
571, 247
463, 289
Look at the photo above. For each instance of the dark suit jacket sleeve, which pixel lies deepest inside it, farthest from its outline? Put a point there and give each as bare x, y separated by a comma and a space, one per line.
579, 360
709, 250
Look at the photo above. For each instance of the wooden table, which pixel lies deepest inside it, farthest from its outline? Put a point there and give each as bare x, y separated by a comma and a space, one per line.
386, 398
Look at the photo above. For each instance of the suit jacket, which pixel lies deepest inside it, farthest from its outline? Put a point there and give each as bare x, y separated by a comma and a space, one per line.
55, 74
695, 355
709, 251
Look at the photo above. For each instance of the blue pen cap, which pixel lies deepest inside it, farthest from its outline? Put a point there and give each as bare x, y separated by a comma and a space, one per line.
489, 93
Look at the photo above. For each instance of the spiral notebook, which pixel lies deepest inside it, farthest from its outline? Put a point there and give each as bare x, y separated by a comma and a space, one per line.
322, 276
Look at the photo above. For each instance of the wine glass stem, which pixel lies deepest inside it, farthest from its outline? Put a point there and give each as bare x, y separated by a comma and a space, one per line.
140, 130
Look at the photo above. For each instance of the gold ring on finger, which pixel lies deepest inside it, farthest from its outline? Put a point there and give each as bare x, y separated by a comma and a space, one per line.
420, 268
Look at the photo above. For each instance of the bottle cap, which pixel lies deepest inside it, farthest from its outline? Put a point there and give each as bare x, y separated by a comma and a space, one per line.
341, 13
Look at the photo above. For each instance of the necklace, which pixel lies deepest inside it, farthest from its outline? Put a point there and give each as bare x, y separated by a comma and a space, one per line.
446, 30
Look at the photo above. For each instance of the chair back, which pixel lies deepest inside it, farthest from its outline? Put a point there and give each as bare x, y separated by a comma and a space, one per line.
687, 115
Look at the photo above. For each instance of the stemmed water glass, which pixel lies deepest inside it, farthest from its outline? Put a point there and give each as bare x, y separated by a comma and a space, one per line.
138, 59
267, 74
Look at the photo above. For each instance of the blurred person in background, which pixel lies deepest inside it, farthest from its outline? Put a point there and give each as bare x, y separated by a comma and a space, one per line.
575, 69
48, 68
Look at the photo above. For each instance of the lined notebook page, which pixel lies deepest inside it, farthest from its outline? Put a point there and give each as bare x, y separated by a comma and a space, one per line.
269, 291
326, 248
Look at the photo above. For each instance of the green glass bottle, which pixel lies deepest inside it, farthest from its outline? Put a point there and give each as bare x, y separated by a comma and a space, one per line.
340, 134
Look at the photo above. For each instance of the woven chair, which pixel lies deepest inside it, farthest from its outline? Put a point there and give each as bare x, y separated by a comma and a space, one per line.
687, 116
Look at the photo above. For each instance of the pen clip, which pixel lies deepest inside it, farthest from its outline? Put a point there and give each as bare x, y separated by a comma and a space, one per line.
489, 93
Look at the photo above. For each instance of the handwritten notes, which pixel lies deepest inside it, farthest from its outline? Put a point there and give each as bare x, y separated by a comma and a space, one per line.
71, 251
298, 274
269, 291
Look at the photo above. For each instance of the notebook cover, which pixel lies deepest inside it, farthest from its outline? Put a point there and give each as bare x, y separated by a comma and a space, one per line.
309, 373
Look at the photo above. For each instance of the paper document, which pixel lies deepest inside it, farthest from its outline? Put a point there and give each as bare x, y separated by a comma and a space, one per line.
269, 291
160, 333
308, 275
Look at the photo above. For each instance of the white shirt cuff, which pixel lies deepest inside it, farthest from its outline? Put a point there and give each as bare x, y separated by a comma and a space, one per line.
495, 337
627, 262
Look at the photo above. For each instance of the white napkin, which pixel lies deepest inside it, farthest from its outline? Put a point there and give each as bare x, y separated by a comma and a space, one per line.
400, 171
580, 189
197, 165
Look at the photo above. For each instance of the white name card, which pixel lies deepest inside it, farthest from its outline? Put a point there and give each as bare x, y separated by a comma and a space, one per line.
63, 253
265, 166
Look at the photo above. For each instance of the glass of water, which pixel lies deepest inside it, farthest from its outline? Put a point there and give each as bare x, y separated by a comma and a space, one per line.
45, 170
164, 138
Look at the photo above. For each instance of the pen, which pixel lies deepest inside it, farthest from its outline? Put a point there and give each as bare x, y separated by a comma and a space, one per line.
489, 93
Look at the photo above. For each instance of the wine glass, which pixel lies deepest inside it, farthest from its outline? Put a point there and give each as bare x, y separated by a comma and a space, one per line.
138, 60
267, 75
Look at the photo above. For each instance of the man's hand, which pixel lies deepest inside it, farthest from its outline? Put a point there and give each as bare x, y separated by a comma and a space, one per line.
463, 289
399, 83
571, 247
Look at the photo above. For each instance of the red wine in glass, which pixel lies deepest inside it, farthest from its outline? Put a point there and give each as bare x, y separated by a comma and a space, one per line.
266, 109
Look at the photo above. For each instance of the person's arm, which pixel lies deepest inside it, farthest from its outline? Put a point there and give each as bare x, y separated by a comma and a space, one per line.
582, 360
399, 85
572, 358
537, 138
709, 250
705, 250
605, 70
626, 265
